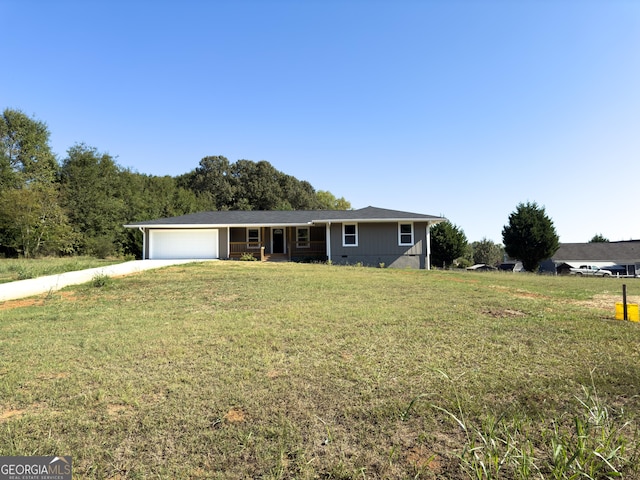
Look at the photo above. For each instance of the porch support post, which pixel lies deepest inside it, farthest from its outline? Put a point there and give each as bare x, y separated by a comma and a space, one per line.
144, 242
328, 239
428, 255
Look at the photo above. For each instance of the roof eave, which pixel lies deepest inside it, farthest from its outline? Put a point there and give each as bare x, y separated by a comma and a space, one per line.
217, 225
380, 220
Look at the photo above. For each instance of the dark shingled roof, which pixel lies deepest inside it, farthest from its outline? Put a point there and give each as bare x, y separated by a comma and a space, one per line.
599, 251
286, 217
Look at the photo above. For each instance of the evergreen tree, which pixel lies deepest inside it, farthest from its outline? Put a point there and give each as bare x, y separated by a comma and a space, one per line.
599, 238
448, 242
530, 236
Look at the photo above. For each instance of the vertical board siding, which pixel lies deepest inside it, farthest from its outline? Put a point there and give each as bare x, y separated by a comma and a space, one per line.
378, 244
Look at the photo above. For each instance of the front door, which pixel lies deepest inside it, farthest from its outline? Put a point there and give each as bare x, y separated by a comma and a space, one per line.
278, 241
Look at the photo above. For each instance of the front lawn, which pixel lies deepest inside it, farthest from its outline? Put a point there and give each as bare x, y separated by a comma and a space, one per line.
252, 370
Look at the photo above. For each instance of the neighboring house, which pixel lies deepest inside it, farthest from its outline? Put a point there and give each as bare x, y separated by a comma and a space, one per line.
623, 256
370, 236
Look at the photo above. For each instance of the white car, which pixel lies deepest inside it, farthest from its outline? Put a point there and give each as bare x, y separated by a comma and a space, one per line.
591, 270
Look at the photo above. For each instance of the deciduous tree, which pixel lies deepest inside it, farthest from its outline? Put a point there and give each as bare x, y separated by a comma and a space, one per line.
487, 252
31, 219
212, 180
249, 185
25, 154
328, 201
95, 198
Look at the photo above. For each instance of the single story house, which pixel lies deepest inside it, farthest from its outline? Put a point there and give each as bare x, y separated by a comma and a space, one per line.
623, 256
370, 236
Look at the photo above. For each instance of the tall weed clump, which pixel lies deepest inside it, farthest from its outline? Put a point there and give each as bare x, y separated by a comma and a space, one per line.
21, 271
100, 280
592, 443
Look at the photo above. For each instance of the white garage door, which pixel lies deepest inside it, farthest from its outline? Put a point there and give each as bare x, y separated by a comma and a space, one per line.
194, 243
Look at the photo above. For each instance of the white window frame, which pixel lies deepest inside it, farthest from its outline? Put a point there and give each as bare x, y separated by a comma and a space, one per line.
344, 235
306, 241
400, 234
254, 244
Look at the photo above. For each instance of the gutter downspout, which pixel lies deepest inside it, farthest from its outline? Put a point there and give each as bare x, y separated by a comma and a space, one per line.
144, 243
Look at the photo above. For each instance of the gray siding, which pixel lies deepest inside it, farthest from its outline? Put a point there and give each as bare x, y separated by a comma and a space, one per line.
378, 243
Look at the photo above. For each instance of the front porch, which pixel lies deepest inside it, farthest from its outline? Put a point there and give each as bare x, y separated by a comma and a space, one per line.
292, 244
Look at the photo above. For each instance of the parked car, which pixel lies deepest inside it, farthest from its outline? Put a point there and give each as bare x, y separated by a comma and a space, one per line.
511, 266
591, 270
617, 269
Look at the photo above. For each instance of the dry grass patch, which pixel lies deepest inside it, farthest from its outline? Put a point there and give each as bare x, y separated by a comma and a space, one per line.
607, 301
10, 413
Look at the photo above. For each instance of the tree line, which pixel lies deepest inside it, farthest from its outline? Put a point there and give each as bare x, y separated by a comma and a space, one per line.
78, 206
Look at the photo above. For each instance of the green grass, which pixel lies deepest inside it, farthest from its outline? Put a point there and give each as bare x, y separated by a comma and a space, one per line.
253, 370
22, 269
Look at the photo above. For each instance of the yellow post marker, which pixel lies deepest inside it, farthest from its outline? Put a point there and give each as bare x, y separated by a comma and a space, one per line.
633, 313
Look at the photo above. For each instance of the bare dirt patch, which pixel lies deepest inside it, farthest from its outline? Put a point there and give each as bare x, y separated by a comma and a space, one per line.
11, 304
37, 301
503, 313
422, 457
234, 416
36, 408
71, 296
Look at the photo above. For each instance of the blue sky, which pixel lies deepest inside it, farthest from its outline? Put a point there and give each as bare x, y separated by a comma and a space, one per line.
458, 108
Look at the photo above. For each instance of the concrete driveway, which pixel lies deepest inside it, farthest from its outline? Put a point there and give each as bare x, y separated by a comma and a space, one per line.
40, 285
